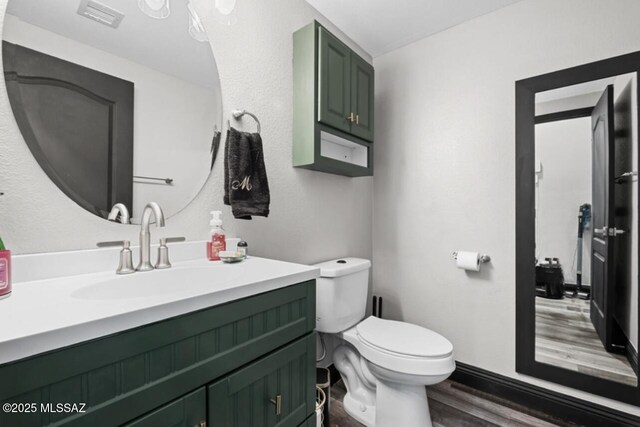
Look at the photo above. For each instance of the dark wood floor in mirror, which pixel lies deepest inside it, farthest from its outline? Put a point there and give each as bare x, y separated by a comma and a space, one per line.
566, 338
455, 405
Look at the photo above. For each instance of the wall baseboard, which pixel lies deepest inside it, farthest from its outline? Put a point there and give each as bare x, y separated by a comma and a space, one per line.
632, 356
555, 404
573, 286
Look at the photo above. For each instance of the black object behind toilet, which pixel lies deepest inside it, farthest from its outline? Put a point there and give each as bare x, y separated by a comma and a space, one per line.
377, 306
550, 279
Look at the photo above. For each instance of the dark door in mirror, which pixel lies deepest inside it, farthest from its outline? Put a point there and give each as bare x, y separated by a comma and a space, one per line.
77, 122
602, 276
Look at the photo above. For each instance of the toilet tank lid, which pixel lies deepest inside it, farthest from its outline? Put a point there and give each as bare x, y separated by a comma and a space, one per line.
342, 266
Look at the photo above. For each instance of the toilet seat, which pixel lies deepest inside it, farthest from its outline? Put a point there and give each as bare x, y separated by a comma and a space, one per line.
404, 339
402, 347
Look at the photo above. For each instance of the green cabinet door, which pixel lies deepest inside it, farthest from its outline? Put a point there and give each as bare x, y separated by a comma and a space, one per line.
362, 78
188, 411
277, 390
334, 82
312, 421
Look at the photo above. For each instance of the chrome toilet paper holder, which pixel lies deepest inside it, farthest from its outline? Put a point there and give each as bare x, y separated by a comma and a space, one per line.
483, 258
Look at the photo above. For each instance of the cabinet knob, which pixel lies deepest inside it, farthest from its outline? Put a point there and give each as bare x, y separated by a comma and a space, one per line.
351, 118
278, 404
357, 119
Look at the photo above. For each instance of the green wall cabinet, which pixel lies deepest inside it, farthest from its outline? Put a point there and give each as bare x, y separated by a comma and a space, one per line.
333, 105
334, 93
362, 77
204, 368
345, 91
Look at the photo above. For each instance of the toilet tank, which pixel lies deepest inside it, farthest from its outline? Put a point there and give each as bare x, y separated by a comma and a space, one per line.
341, 293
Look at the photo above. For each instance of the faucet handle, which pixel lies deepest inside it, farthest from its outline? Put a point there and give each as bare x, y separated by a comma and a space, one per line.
114, 243
163, 251
126, 256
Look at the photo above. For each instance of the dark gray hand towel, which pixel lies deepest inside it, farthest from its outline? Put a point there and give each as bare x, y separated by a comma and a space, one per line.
246, 188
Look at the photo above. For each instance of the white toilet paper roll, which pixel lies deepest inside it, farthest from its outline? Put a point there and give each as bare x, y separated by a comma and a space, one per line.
468, 261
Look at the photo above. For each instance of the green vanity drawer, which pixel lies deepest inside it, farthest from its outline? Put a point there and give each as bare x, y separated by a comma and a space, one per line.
126, 375
277, 390
188, 411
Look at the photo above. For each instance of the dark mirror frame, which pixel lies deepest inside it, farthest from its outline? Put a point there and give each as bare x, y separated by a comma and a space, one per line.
525, 225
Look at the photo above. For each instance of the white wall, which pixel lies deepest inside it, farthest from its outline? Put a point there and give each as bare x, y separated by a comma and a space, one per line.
314, 216
169, 113
445, 165
563, 148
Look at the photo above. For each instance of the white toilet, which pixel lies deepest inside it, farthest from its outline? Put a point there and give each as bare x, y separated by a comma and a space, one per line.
384, 364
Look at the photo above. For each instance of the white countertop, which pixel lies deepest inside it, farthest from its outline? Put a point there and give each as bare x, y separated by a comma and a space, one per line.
46, 314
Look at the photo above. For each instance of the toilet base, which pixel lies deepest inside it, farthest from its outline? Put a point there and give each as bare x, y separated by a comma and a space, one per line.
376, 398
365, 414
401, 405
398, 405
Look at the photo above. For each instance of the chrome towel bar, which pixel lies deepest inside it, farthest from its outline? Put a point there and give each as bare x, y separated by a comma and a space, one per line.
167, 181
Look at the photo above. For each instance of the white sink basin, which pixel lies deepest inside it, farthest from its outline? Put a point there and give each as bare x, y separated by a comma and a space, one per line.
159, 282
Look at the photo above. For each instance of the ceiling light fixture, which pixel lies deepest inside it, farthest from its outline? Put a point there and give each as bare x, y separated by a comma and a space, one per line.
158, 9
224, 11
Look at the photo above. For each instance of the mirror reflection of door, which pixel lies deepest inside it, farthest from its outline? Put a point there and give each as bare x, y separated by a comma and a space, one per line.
586, 242
115, 105
77, 122
603, 149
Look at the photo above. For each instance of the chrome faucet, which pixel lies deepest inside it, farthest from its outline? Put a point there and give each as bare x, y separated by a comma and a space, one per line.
121, 209
145, 234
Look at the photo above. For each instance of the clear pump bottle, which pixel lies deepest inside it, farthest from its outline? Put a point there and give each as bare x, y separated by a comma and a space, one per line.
217, 243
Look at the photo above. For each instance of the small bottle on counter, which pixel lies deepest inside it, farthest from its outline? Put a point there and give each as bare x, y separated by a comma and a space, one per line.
5, 271
242, 248
217, 243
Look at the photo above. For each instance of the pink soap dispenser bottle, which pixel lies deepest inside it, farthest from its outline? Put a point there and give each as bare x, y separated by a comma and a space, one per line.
217, 243
5, 271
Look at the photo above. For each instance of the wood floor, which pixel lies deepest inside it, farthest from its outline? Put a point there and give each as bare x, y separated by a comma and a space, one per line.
455, 405
565, 337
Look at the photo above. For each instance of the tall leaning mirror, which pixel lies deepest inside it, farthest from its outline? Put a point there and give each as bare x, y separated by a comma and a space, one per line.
118, 100
577, 227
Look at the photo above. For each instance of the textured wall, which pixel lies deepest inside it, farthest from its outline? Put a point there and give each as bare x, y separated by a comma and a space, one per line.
313, 217
445, 164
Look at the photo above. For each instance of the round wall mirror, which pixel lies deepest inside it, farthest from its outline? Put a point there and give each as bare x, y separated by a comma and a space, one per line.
118, 100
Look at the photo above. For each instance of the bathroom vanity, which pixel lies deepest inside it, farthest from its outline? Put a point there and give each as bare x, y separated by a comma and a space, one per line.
199, 344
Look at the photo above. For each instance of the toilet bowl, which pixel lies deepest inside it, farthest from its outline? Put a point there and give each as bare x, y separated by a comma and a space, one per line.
385, 364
